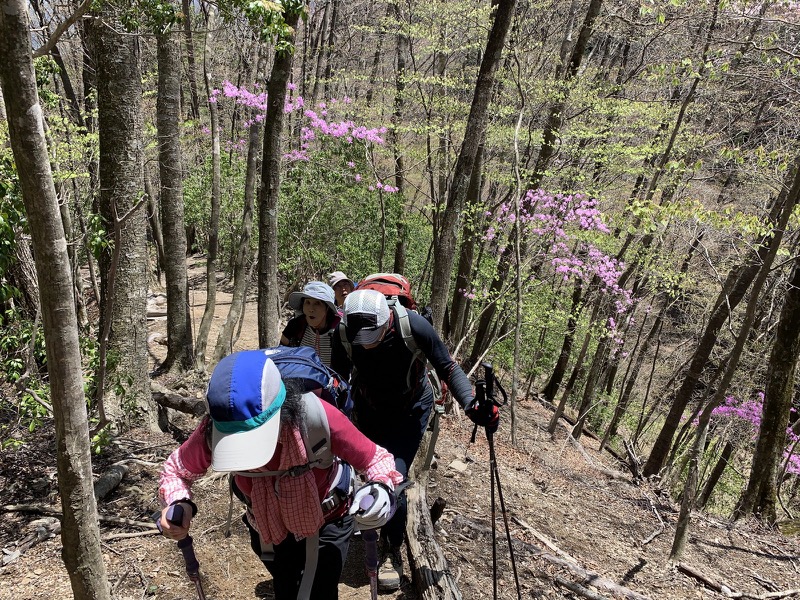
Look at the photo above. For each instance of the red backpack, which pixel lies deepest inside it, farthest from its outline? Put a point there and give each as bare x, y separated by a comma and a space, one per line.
390, 285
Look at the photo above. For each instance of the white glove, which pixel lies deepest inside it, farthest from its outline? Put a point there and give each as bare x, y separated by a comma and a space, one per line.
373, 506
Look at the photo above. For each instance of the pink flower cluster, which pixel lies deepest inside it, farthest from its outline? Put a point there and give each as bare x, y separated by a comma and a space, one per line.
316, 127
559, 218
750, 413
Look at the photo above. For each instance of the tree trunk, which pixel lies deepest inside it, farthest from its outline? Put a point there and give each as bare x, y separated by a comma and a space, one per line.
329, 50
154, 220
244, 256
589, 389
187, 33
213, 222
473, 136
124, 278
268, 293
469, 235
376, 60
80, 533
168, 118
760, 497
23, 274
624, 399
399, 167
716, 475
556, 377
320, 49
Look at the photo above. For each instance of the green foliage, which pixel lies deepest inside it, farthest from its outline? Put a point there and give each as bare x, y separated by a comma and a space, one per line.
12, 219
326, 220
16, 337
102, 439
98, 239
45, 67
269, 19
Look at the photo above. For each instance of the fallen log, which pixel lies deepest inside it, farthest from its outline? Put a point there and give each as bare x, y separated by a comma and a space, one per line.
616, 475
109, 480
427, 563
584, 431
431, 573
711, 583
171, 399
49, 510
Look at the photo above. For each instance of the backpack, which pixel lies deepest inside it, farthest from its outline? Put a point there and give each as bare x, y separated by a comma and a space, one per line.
390, 285
302, 363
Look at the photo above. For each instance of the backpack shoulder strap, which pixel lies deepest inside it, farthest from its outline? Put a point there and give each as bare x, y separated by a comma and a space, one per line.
403, 325
404, 328
348, 347
317, 436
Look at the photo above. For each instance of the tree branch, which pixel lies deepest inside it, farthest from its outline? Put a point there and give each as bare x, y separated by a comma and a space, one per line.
62, 27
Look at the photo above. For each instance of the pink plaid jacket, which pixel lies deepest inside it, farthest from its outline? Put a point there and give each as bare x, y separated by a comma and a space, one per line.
294, 504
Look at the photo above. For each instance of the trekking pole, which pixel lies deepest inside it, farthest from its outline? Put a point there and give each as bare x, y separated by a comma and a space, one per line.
186, 546
370, 537
484, 396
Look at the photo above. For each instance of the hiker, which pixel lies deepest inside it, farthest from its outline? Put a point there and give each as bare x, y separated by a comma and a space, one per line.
316, 319
342, 285
257, 430
392, 397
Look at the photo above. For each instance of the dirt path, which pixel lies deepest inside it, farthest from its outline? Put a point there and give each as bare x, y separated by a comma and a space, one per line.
606, 525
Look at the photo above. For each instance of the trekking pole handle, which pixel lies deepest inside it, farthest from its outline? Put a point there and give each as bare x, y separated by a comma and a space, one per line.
488, 375
186, 546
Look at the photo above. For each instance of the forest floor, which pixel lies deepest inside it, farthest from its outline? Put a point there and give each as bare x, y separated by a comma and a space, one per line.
571, 510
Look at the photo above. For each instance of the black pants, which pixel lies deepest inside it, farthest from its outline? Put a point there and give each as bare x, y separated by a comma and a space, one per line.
400, 435
287, 564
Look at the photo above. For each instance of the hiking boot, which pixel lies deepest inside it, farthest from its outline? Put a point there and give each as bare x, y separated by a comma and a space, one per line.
390, 570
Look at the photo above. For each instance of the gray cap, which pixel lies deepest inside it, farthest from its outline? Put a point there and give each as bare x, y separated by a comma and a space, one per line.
318, 290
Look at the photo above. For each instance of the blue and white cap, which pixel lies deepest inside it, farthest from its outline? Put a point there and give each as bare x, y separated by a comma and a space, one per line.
245, 395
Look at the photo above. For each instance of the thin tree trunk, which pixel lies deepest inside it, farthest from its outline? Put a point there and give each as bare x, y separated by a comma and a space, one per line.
329, 49
473, 136
80, 532
624, 399
716, 475
187, 33
168, 115
244, 256
154, 221
399, 167
376, 60
551, 389
268, 293
320, 49
213, 224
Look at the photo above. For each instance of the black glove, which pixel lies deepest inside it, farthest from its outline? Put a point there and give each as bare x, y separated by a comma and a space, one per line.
484, 414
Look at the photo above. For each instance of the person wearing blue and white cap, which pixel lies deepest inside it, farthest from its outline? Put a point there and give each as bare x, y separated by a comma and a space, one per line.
316, 319
299, 522
392, 397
